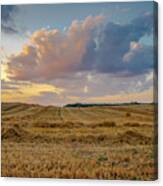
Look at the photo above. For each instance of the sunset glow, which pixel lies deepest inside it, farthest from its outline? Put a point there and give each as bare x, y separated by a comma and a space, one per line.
80, 58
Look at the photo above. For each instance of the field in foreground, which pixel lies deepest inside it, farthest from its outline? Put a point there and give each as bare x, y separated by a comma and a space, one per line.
111, 142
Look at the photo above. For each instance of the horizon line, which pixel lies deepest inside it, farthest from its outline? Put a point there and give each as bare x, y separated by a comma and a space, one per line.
80, 103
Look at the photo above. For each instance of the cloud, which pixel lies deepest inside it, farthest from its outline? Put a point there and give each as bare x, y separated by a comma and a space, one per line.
150, 76
12, 85
23, 91
101, 85
71, 89
144, 96
7, 12
8, 87
118, 44
48, 98
85, 89
89, 45
8, 29
52, 53
7, 21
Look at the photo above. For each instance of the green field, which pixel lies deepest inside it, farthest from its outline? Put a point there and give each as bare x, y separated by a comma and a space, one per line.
101, 142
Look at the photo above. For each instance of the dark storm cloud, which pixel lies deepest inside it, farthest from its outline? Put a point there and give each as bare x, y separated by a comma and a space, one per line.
7, 21
108, 53
7, 12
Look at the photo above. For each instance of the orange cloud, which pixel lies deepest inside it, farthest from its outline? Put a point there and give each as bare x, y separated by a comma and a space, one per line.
52, 53
22, 93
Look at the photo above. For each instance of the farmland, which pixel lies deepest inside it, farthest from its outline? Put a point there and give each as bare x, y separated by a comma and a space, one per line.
109, 142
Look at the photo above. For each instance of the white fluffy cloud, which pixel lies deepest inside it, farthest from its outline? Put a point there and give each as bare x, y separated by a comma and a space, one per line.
52, 53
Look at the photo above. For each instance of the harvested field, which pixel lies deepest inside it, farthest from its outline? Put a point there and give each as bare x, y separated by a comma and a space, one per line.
110, 142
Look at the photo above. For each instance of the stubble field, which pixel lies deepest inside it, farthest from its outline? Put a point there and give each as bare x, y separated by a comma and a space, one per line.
109, 142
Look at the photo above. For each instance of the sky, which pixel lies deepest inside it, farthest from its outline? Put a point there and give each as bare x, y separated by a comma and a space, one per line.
66, 53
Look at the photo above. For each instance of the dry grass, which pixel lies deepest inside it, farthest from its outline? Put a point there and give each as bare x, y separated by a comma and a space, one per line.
93, 142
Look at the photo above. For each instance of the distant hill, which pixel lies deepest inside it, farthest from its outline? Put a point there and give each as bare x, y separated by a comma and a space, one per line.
100, 104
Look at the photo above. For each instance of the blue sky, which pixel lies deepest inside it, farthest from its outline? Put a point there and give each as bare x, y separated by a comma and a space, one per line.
62, 15
28, 18
85, 43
